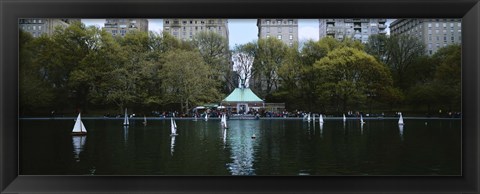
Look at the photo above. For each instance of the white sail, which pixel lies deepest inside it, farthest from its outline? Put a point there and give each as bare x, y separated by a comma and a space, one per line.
145, 120
344, 118
79, 127
225, 121
206, 116
125, 120
400, 121
308, 117
173, 127
320, 119
361, 119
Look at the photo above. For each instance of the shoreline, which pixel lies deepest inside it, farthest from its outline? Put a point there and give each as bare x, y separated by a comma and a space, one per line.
233, 118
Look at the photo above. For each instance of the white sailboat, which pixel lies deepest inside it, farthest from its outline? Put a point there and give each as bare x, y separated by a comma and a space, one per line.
224, 121
173, 127
320, 119
125, 120
361, 119
308, 117
206, 116
344, 118
79, 128
400, 121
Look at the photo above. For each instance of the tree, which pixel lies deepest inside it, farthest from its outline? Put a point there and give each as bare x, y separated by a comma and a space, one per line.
243, 59
269, 56
348, 77
376, 46
35, 92
401, 54
214, 50
187, 79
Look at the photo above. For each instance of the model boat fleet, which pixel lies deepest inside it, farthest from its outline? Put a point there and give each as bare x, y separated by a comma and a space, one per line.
79, 128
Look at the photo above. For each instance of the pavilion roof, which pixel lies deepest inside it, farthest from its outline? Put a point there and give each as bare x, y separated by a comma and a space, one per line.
242, 95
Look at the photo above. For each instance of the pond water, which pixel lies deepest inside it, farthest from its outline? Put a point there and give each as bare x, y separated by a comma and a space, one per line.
281, 147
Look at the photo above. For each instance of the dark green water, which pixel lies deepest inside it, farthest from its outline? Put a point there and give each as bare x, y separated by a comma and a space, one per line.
281, 147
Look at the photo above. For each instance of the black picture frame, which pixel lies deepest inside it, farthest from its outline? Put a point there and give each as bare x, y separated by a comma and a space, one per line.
12, 10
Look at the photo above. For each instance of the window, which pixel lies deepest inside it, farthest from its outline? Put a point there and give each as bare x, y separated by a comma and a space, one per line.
290, 22
268, 22
438, 38
268, 36
437, 25
429, 37
437, 31
452, 38
291, 37
167, 22
279, 29
34, 27
268, 29
39, 21
444, 25
184, 22
451, 25
191, 22
430, 25
279, 37
34, 21
429, 31
290, 29
429, 45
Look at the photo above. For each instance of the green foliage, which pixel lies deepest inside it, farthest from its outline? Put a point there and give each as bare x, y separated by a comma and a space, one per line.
187, 80
269, 57
347, 77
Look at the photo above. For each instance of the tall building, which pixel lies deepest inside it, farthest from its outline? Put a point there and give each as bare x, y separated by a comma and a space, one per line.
358, 29
434, 33
123, 26
283, 29
39, 26
186, 29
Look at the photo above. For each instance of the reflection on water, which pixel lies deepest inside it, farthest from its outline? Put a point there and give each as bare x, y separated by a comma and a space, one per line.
242, 146
400, 129
280, 147
78, 144
125, 134
172, 145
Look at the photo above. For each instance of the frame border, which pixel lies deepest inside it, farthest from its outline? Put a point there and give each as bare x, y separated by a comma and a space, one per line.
11, 10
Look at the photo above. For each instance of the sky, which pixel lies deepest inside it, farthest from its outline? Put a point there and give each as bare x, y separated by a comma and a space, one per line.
241, 31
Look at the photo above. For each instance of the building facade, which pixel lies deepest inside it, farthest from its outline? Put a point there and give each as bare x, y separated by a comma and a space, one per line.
39, 26
120, 27
357, 29
186, 29
285, 30
434, 33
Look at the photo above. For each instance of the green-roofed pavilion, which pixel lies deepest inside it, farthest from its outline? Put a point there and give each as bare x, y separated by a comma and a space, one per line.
241, 100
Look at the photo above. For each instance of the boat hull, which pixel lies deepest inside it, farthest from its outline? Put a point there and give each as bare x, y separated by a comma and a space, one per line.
79, 133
